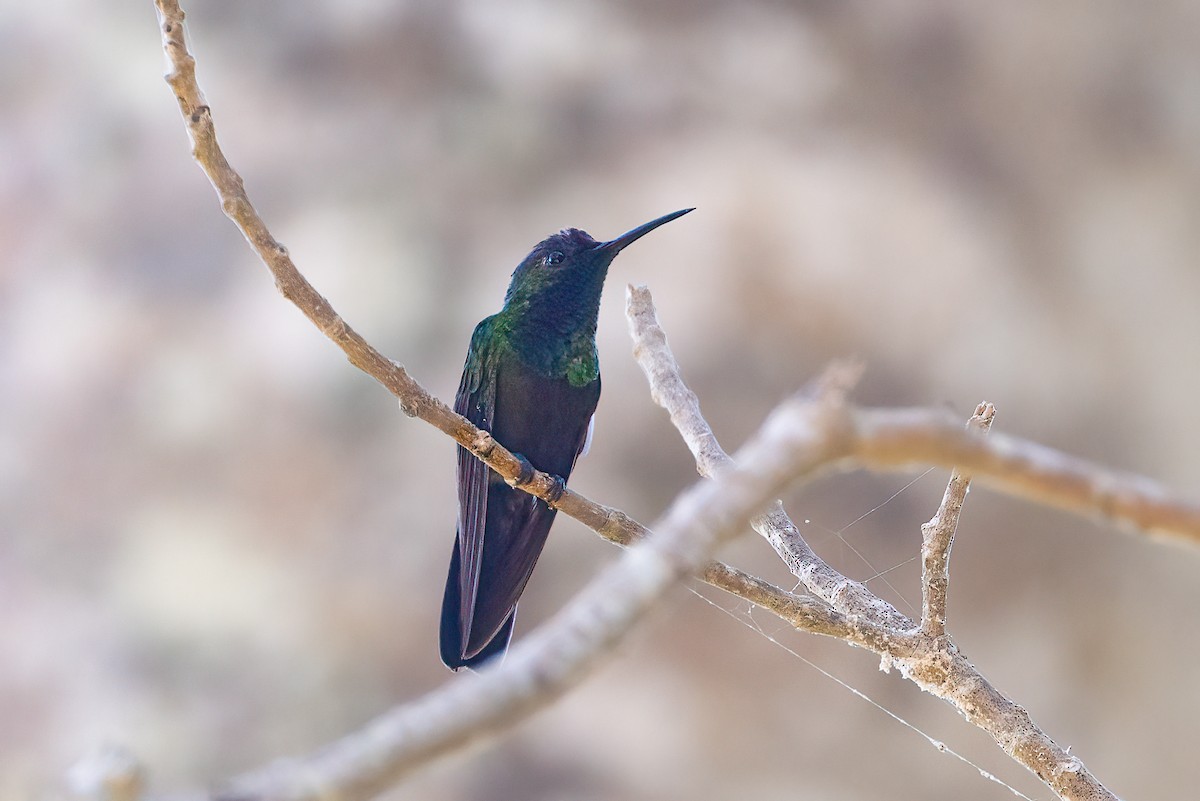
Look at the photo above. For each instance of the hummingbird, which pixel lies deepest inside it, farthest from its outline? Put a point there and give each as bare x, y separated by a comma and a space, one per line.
532, 379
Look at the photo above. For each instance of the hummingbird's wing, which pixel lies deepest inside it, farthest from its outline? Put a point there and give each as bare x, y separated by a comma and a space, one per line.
476, 401
546, 420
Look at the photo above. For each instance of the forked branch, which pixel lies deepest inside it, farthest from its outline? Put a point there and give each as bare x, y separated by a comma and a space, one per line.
937, 536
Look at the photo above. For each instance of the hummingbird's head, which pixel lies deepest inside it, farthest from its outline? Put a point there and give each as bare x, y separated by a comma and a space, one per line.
564, 273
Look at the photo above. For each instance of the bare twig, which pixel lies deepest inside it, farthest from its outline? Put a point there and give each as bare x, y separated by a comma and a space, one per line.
937, 537
925, 656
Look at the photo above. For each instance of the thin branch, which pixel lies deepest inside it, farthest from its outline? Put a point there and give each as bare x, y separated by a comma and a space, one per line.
891, 439
937, 537
942, 670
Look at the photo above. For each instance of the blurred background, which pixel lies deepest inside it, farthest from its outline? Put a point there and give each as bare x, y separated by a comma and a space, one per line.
220, 543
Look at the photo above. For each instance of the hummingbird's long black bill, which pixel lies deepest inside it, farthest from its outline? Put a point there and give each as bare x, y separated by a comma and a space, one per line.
615, 246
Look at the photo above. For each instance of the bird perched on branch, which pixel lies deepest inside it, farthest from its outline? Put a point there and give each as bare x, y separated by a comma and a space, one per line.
532, 378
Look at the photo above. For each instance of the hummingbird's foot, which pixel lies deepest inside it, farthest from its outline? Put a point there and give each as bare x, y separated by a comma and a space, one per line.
526, 474
556, 492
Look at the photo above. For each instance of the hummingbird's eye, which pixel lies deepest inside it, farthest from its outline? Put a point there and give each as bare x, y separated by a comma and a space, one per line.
554, 258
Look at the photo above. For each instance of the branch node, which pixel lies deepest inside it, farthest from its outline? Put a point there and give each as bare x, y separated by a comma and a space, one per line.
483, 444
835, 382
335, 329
982, 419
409, 405
236, 205
615, 521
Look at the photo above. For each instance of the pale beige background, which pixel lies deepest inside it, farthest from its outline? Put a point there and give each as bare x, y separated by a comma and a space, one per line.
219, 543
